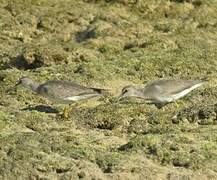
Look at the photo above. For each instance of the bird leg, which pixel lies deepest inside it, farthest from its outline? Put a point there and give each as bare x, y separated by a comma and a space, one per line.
160, 106
65, 113
67, 109
177, 106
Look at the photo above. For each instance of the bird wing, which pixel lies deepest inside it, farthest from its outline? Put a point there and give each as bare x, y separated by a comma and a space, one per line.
65, 89
170, 87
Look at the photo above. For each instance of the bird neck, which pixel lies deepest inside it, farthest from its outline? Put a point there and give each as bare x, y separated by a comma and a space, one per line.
139, 93
34, 86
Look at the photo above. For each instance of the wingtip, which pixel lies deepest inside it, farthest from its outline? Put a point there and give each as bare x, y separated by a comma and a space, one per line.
102, 91
204, 80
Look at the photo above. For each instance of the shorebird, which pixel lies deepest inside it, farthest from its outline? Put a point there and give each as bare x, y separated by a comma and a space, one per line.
162, 92
62, 92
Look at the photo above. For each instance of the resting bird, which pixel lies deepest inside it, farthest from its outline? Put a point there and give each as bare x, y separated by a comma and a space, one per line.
62, 92
161, 92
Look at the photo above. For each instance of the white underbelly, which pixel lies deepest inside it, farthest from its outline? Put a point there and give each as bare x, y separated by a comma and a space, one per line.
71, 99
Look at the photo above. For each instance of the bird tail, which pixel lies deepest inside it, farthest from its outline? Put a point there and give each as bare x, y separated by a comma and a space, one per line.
102, 91
204, 80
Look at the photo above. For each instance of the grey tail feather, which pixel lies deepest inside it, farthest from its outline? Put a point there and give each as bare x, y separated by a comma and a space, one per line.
101, 91
205, 79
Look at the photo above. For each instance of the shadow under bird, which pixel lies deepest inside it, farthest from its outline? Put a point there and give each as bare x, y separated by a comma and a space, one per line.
62, 92
162, 92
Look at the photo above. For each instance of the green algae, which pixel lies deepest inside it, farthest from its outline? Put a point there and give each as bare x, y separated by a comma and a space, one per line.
108, 44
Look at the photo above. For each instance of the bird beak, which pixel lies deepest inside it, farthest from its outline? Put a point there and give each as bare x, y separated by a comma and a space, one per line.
121, 96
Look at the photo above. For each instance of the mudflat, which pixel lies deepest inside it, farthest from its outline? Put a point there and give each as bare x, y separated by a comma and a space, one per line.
108, 44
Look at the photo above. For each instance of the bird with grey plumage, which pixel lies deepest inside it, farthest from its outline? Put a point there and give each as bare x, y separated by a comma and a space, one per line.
62, 92
161, 92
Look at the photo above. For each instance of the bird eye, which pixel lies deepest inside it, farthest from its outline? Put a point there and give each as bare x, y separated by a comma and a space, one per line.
124, 91
18, 82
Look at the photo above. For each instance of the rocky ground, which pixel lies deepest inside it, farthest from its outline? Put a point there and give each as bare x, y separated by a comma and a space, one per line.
109, 44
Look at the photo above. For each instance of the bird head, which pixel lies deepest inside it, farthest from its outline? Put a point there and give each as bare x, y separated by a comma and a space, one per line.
25, 81
128, 91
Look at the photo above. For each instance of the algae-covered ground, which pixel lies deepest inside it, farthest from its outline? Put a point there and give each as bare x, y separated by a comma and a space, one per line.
108, 44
